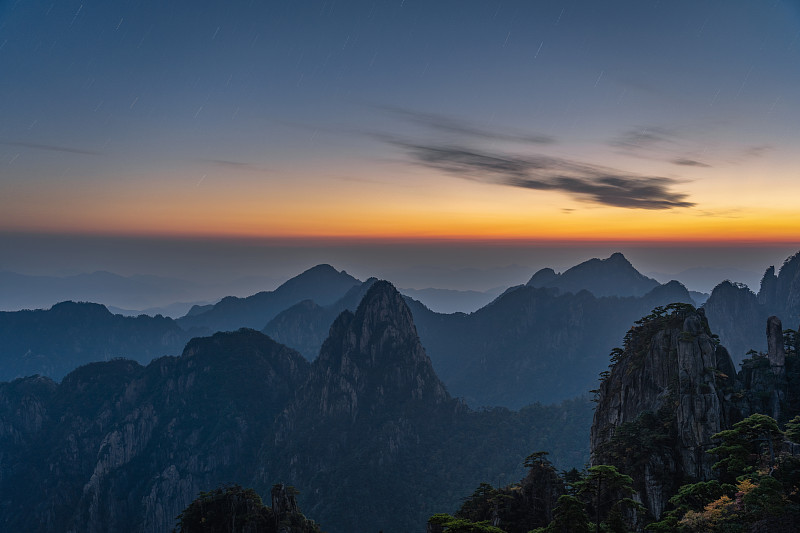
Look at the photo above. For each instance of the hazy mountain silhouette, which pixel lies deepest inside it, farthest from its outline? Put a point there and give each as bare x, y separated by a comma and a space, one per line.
137, 292
614, 276
323, 284
528, 345
55, 341
737, 314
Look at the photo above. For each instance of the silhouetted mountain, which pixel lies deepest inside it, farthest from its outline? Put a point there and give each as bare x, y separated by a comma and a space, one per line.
736, 313
138, 292
322, 284
532, 344
614, 276
55, 341
305, 325
736, 316
528, 345
367, 431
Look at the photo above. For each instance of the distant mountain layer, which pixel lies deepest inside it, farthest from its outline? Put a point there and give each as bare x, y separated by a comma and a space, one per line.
367, 432
322, 284
614, 276
54, 342
20, 291
528, 345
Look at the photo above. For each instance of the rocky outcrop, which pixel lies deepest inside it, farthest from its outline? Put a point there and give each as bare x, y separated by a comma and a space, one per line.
768, 293
776, 354
735, 315
670, 381
669, 390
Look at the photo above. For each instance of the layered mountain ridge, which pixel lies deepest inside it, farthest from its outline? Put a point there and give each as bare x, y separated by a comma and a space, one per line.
122, 447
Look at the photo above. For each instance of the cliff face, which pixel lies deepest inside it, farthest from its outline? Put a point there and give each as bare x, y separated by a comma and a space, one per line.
669, 390
734, 313
670, 369
189, 423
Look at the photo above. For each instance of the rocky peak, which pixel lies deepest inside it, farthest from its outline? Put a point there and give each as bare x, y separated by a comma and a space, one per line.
767, 294
373, 358
542, 278
667, 385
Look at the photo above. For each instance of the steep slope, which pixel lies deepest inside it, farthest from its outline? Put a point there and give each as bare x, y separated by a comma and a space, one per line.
120, 447
385, 415
735, 314
672, 388
322, 284
613, 276
55, 341
667, 388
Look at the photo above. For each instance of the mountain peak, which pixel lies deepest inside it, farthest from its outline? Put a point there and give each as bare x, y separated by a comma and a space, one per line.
373, 358
613, 276
617, 257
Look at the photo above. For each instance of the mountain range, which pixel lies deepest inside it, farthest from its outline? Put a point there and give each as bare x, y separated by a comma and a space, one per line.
367, 430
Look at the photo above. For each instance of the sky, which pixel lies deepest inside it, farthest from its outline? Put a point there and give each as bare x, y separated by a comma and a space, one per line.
329, 125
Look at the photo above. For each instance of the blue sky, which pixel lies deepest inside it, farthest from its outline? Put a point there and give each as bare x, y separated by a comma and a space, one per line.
579, 120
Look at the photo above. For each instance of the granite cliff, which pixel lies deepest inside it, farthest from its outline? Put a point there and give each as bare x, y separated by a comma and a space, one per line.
669, 390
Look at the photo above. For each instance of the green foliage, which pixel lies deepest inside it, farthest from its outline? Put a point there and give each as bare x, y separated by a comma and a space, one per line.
793, 429
606, 490
569, 517
444, 523
748, 446
233, 509
230, 509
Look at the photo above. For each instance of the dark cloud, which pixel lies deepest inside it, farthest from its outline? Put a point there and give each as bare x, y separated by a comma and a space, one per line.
50, 147
585, 182
689, 162
463, 128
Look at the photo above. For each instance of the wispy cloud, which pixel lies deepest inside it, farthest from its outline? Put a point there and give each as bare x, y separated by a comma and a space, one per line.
586, 182
686, 162
464, 128
658, 143
50, 147
645, 138
233, 165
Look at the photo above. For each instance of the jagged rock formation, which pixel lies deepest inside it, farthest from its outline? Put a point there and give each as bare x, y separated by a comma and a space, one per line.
614, 276
669, 378
368, 432
734, 313
669, 390
737, 314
